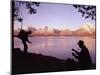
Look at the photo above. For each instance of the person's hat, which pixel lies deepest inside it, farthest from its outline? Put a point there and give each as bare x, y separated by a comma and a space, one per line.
80, 42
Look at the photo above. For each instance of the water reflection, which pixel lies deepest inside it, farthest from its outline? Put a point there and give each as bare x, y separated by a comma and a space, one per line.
57, 46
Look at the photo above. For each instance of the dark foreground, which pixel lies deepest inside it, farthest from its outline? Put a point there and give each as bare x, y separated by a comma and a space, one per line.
23, 63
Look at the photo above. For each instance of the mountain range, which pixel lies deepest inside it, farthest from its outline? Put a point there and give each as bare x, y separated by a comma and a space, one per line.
84, 30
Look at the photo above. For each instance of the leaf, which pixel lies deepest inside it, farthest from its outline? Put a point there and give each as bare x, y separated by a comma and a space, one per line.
82, 15
86, 17
92, 17
36, 3
20, 19
32, 11
75, 6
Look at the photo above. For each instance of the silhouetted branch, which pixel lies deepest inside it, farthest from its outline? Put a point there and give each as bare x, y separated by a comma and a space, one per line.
86, 11
16, 11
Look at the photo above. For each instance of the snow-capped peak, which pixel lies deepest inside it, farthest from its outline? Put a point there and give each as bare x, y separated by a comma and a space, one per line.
47, 29
87, 27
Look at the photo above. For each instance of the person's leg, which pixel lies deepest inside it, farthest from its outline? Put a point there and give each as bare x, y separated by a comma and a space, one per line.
25, 46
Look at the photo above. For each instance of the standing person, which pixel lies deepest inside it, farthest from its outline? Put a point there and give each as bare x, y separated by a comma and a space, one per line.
23, 35
83, 56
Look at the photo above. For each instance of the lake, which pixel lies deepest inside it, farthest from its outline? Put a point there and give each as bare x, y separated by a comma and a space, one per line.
58, 46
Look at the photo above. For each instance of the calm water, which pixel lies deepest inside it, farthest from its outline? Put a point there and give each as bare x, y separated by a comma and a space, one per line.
57, 46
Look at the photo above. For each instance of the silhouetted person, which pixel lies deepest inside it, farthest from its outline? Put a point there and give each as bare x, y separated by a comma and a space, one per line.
23, 35
83, 56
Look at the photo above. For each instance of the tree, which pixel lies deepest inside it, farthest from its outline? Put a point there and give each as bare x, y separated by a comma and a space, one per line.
16, 9
87, 11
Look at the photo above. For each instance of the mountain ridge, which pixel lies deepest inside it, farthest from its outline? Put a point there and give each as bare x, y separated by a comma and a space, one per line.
85, 29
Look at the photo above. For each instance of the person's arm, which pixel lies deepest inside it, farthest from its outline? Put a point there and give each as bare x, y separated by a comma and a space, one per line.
29, 41
75, 55
75, 51
27, 35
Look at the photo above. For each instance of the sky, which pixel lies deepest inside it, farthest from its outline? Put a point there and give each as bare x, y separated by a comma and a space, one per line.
53, 15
